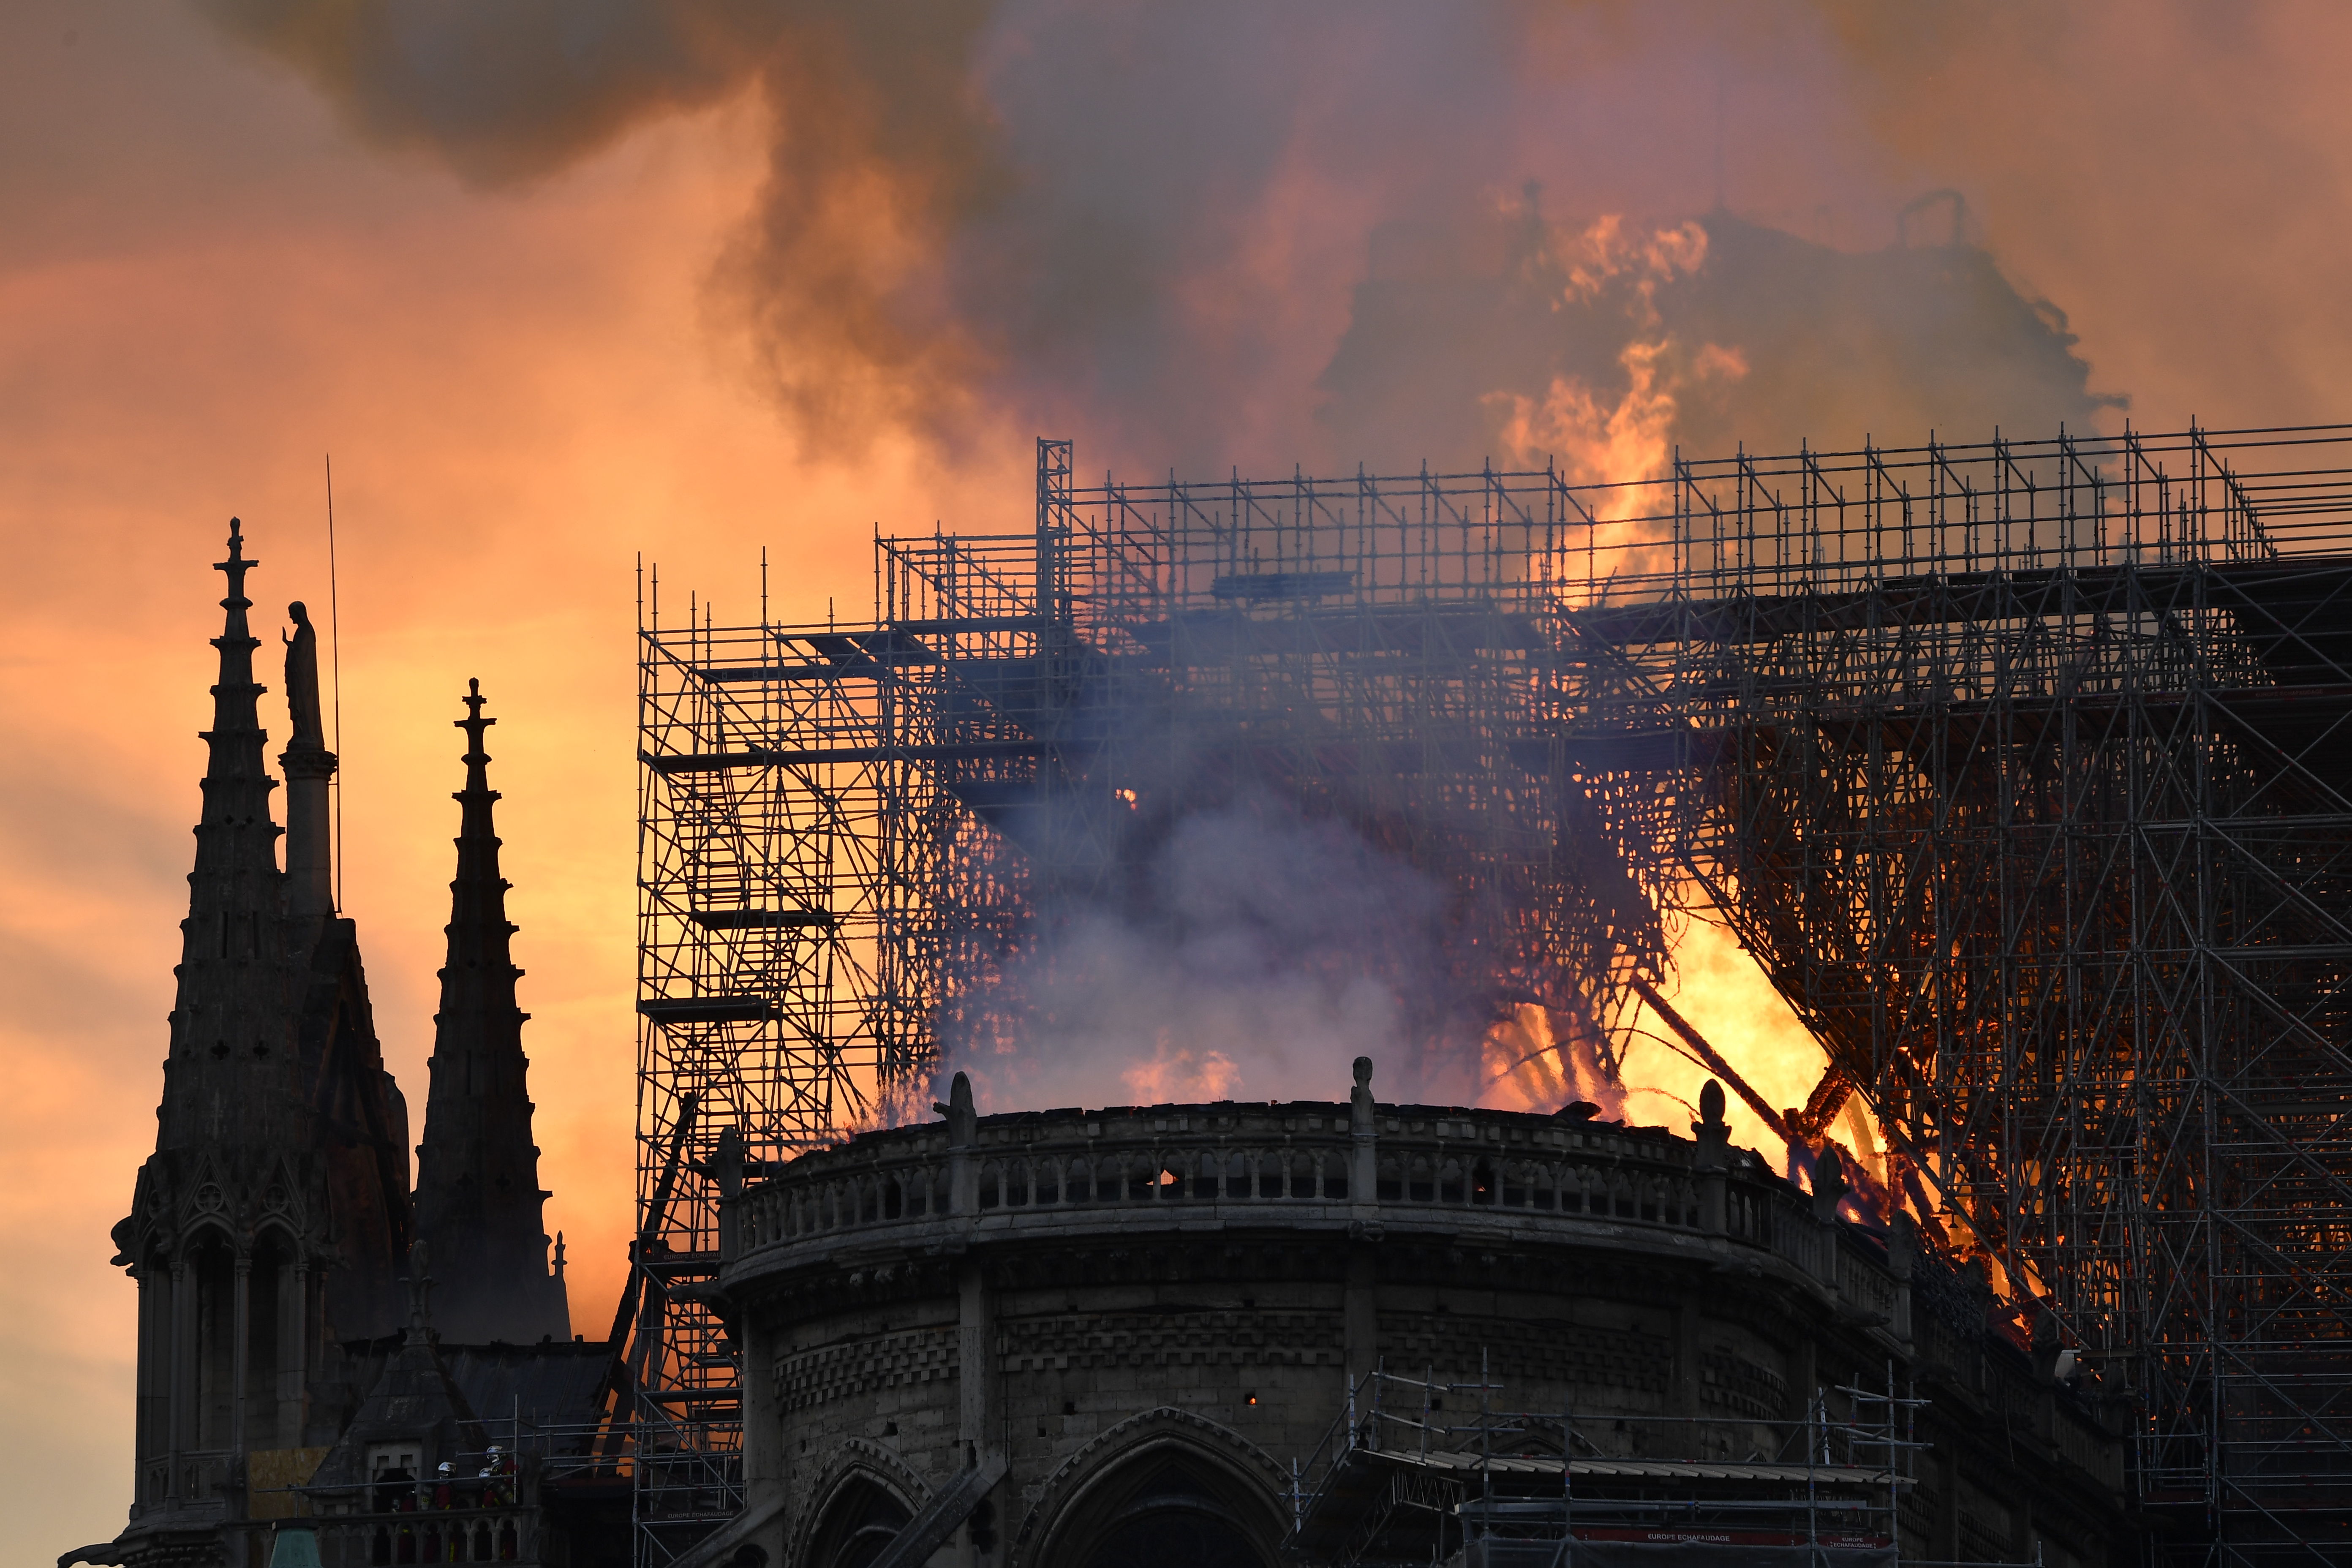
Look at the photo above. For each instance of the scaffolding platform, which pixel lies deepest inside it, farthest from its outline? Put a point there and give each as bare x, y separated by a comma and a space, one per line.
1399, 1480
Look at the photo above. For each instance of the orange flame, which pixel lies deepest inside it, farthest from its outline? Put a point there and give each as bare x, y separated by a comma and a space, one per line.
1596, 441
1527, 1066
1181, 1073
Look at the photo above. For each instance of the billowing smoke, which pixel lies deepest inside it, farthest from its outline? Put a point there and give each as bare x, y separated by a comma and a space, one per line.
1158, 227
1606, 345
1222, 233
1252, 953
884, 151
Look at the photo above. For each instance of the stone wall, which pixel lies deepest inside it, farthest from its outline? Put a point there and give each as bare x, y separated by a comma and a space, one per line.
1173, 1302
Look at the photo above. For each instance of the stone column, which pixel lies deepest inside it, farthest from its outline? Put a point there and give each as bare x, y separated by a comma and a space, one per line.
182, 1375
1902, 1258
1359, 1312
1830, 1187
293, 1289
1363, 1127
1686, 1373
979, 1437
973, 1423
240, 1332
1360, 1315
1803, 1373
1948, 1518
964, 1133
1712, 1161
151, 1437
310, 869
763, 1432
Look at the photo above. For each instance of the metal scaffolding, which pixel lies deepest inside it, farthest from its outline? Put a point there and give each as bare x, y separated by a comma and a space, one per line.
2021, 769
1418, 1470
2017, 766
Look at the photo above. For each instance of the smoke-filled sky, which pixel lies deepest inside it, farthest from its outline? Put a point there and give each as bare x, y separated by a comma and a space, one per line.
560, 281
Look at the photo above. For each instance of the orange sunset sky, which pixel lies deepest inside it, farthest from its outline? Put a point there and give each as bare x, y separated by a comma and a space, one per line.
596, 280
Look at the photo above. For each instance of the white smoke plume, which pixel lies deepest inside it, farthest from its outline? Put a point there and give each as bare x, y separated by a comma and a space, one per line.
1254, 955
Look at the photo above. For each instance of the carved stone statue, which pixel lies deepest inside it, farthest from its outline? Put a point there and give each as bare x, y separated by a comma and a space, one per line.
1359, 1099
725, 1166
302, 683
1829, 1184
964, 1118
420, 1293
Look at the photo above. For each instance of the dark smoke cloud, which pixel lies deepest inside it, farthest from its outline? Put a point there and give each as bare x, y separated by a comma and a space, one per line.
1609, 346
1155, 227
1137, 224
884, 150
1171, 231
515, 90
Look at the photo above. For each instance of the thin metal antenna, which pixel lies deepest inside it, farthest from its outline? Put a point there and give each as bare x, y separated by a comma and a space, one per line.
335, 660
1718, 139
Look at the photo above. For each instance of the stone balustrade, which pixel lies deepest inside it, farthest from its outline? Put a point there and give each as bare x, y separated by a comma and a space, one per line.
506, 1534
1066, 1294
1306, 1164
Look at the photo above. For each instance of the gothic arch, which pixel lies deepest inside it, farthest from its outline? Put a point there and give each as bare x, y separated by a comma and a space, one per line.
1165, 1487
867, 1494
210, 1258
278, 1230
198, 1229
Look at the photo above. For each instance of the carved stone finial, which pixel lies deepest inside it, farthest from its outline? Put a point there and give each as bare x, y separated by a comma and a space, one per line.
2046, 1344
1359, 1099
963, 1120
1712, 1132
237, 564
1902, 1245
1830, 1186
473, 723
726, 1165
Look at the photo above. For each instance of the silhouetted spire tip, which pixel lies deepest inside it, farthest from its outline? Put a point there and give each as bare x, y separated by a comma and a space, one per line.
238, 563
475, 721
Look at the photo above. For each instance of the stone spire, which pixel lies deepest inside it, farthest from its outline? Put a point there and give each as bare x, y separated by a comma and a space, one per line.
232, 1076
477, 1195
267, 1227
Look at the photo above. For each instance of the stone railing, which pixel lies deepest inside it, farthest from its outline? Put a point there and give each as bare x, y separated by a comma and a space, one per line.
504, 1534
1372, 1168
198, 1477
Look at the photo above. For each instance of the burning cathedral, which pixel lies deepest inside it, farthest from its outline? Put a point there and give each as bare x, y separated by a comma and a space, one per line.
2017, 766
1836, 699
